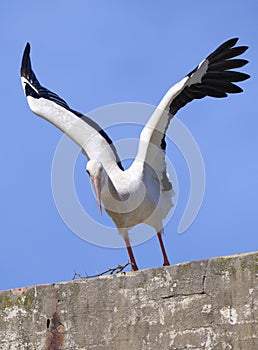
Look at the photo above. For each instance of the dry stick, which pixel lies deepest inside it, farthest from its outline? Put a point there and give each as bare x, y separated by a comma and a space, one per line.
110, 270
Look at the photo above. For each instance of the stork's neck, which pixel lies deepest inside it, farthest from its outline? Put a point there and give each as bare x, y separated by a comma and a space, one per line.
108, 187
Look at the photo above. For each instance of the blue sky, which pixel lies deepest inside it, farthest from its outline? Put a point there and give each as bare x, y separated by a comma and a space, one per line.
97, 53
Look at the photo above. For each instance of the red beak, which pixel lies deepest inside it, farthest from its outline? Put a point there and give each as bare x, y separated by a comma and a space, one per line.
97, 188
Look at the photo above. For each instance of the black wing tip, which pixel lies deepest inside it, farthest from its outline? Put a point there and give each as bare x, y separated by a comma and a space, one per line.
219, 77
232, 41
27, 47
27, 50
26, 65
245, 77
32, 86
227, 48
244, 48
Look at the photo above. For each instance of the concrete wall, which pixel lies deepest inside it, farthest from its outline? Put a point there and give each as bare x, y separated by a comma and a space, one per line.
209, 304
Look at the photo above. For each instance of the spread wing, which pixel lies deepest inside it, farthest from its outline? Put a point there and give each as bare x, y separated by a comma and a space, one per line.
212, 77
95, 143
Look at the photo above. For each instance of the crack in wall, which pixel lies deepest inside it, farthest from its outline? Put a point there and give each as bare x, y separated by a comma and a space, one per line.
198, 305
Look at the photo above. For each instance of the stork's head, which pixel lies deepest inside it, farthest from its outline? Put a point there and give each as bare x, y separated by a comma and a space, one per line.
95, 171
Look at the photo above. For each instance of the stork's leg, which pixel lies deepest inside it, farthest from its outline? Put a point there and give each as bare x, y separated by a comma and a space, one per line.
130, 252
166, 262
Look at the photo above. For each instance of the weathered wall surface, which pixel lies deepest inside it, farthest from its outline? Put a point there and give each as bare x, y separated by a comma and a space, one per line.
209, 304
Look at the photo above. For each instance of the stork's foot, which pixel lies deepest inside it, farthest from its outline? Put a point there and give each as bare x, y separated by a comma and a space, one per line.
166, 263
134, 266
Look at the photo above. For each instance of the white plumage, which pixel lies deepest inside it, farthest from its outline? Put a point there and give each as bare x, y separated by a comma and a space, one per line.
142, 193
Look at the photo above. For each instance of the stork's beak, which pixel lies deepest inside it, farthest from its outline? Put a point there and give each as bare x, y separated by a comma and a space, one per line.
97, 188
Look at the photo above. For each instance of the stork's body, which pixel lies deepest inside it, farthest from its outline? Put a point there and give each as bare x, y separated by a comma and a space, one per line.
132, 197
142, 193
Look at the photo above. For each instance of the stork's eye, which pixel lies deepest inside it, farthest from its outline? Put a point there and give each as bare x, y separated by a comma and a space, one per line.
88, 172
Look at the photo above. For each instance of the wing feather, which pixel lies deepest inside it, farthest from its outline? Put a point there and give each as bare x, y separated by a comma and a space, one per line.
212, 77
94, 141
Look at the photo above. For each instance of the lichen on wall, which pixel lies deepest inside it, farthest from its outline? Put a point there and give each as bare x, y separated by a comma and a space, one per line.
209, 304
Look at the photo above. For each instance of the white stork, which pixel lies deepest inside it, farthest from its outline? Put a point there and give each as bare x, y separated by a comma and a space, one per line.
142, 193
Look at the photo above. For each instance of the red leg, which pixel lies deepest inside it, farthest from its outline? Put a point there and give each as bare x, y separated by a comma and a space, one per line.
130, 252
166, 262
